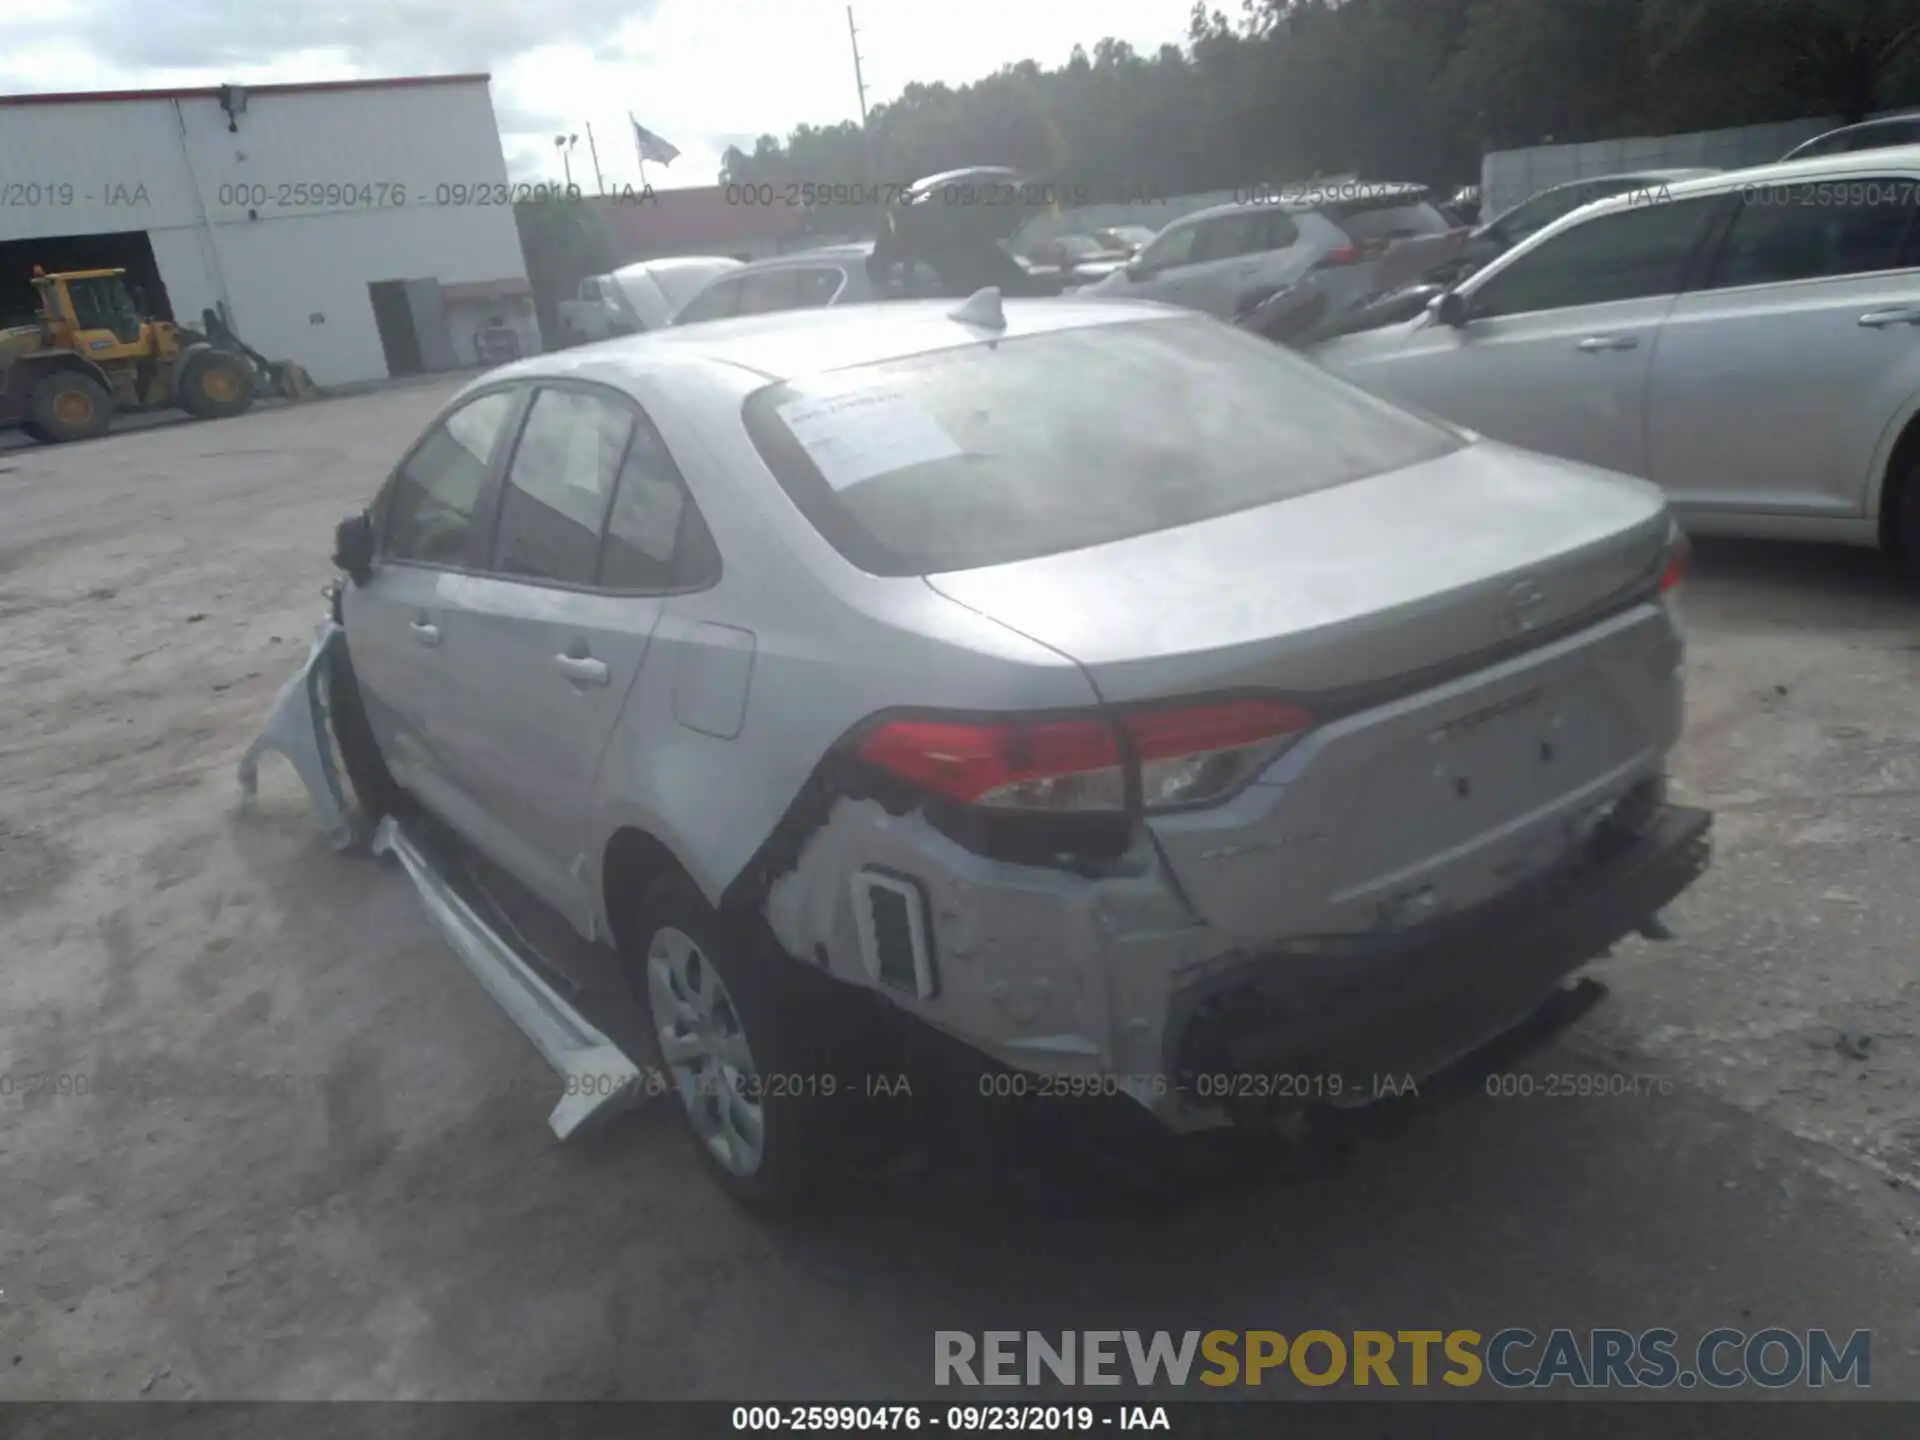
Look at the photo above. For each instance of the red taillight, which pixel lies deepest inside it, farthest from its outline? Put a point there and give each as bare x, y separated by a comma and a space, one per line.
1186, 756
1200, 753
1163, 734
1048, 764
1678, 554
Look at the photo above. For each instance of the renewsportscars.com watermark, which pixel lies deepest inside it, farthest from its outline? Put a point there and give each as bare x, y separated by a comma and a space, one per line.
1511, 1359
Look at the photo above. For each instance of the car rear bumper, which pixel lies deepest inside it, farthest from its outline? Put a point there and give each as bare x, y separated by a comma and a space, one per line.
1347, 1022
1109, 984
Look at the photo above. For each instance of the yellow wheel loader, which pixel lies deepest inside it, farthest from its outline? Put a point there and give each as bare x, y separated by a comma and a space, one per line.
89, 352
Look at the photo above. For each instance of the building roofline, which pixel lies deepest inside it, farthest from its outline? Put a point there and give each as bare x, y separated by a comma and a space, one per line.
210, 92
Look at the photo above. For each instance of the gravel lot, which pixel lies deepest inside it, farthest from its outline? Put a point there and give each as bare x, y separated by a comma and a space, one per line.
399, 1223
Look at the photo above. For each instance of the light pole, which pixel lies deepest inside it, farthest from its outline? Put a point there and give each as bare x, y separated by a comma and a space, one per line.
564, 144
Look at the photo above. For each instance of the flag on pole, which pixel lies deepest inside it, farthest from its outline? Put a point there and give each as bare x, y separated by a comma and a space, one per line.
650, 145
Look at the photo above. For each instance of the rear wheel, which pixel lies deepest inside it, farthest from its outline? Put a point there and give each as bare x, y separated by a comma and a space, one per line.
67, 405
214, 384
732, 1051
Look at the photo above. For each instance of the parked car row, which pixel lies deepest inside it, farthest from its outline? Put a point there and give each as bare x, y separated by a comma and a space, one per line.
1749, 340
1314, 252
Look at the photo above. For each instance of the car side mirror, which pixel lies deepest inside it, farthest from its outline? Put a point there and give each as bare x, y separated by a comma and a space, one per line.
1451, 309
353, 546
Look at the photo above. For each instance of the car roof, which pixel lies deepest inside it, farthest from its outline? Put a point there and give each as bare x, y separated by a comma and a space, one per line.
853, 252
671, 264
1817, 168
1694, 172
1299, 203
783, 344
1905, 119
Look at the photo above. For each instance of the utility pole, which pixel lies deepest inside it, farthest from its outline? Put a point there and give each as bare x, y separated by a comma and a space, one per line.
599, 183
860, 85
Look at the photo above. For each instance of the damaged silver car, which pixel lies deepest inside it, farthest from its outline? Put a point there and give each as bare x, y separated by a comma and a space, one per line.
1106, 689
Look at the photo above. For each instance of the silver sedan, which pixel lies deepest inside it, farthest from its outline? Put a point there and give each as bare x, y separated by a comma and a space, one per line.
1112, 692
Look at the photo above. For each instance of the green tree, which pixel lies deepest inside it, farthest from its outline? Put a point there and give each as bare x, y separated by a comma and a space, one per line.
563, 241
1843, 57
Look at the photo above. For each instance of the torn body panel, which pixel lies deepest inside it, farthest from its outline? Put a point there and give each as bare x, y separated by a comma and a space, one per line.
599, 1078
1112, 975
296, 729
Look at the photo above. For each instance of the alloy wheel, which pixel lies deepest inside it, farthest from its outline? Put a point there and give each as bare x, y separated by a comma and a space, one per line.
705, 1049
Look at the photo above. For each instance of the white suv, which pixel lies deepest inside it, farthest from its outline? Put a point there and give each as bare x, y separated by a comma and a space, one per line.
1344, 241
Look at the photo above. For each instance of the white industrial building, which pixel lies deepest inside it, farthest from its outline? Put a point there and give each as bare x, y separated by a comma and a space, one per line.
361, 228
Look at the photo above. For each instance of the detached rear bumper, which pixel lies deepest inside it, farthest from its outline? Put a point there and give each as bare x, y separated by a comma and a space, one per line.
1321, 1023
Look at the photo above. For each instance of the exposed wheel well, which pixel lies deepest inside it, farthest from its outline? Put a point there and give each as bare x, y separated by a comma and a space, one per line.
634, 859
1906, 455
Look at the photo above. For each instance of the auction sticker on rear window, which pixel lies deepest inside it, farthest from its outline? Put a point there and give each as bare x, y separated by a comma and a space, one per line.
864, 433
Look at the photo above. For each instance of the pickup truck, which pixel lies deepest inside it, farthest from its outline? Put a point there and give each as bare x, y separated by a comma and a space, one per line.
642, 296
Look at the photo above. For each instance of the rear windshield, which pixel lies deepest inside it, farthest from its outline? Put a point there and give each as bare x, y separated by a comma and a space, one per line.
1008, 450
1391, 222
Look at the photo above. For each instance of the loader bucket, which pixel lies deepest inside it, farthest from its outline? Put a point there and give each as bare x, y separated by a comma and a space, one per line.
293, 383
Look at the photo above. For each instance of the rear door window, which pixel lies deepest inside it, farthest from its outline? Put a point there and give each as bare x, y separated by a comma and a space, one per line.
429, 511
816, 287
1173, 246
765, 291
1044, 443
1787, 231
718, 301
1629, 254
656, 539
1232, 235
558, 485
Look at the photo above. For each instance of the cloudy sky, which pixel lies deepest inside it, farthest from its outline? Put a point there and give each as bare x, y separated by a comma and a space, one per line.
702, 73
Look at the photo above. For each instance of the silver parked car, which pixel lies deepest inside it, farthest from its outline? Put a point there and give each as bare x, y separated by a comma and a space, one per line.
1881, 134
1112, 692
1494, 239
1749, 341
1323, 248
848, 275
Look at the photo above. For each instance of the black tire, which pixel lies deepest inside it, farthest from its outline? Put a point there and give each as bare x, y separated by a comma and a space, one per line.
374, 789
68, 405
1901, 533
215, 385
34, 432
761, 1002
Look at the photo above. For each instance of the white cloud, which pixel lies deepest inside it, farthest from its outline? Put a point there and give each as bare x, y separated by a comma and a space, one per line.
702, 73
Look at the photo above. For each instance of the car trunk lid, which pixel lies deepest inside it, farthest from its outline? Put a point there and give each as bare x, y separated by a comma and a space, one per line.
1439, 623
1340, 589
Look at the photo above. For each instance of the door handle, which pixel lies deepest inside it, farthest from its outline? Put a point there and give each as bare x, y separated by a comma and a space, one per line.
426, 632
1595, 343
582, 669
1881, 319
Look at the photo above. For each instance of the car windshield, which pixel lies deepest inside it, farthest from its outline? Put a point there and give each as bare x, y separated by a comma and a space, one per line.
1071, 438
